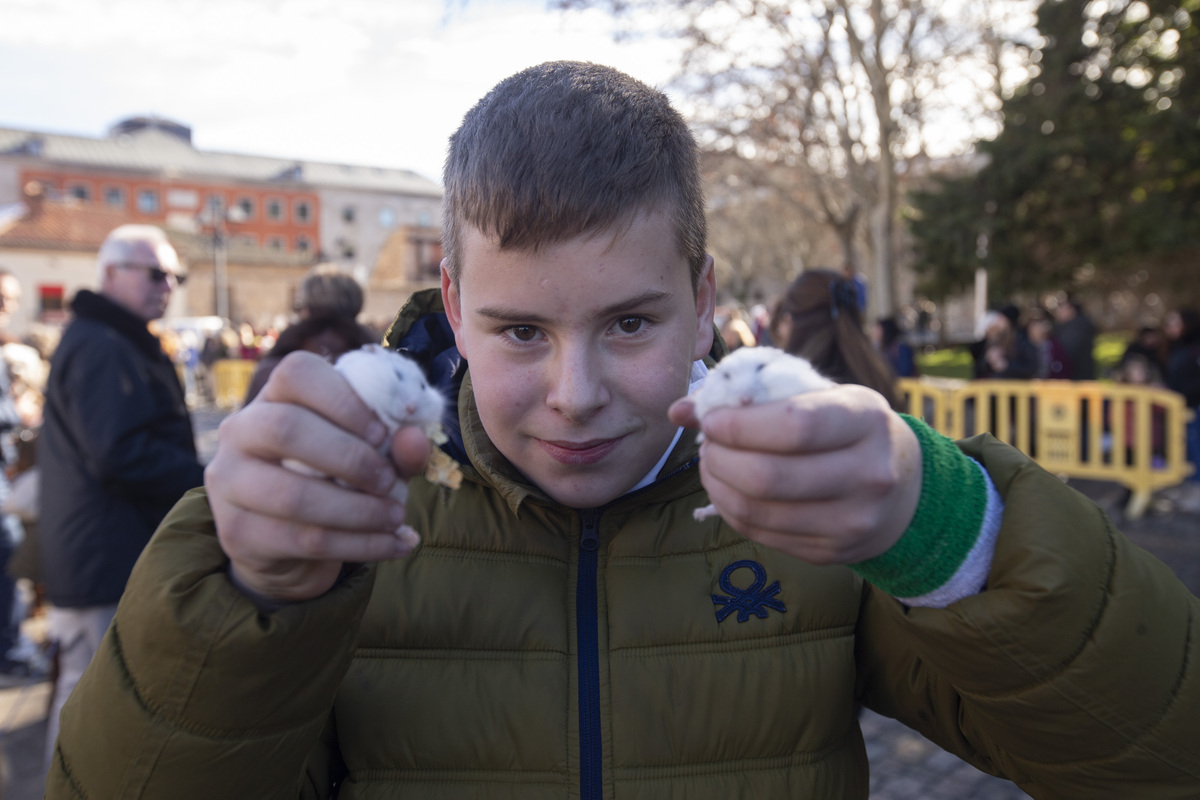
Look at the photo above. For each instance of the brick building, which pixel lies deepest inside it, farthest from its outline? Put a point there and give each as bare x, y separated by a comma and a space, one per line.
273, 217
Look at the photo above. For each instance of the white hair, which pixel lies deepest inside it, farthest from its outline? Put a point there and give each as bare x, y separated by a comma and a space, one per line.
121, 247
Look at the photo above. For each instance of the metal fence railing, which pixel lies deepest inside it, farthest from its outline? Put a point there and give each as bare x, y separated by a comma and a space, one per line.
230, 378
1131, 435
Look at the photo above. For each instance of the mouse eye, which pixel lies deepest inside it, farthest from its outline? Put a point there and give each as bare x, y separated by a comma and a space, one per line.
759, 368
726, 376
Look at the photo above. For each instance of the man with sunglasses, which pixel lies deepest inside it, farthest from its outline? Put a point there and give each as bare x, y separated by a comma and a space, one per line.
117, 448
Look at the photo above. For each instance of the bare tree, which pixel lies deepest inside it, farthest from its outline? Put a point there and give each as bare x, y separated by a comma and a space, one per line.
846, 92
763, 228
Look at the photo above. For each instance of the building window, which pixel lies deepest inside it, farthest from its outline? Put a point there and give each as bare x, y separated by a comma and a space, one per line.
274, 209
387, 217
246, 204
147, 201
80, 191
182, 198
302, 212
114, 196
302, 244
424, 219
348, 214
275, 243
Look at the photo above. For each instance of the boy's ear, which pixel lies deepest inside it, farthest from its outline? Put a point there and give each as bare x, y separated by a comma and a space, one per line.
706, 295
453, 306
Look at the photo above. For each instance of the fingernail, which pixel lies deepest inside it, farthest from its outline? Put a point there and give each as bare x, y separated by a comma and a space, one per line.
376, 433
407, 540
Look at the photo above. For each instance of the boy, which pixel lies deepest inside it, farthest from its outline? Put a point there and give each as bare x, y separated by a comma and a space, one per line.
565, 628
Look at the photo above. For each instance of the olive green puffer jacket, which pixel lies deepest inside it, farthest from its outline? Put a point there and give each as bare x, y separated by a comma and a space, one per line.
530, 651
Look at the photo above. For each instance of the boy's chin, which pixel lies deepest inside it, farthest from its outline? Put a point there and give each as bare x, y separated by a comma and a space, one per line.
585, 493
584, 499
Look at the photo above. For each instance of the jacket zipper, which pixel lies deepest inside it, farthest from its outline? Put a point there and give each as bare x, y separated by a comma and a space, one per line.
587, 622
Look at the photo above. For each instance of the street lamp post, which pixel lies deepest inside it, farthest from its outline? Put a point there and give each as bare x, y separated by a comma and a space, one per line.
218, 217
220, 271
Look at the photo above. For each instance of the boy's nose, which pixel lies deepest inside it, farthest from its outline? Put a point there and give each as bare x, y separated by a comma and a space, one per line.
577, 387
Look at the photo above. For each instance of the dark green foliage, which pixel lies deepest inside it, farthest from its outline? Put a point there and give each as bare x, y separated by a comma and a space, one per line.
1096, 174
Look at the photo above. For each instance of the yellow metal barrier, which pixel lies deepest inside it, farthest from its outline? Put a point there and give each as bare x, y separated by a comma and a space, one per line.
1131, 435
230, 378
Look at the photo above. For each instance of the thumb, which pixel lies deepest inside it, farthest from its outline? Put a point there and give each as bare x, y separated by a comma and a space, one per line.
683, 412
410, 451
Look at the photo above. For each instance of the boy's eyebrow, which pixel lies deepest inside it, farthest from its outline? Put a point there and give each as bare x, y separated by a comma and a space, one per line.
639, 301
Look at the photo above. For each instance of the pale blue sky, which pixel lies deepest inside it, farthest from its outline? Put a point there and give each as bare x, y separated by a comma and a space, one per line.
380, 82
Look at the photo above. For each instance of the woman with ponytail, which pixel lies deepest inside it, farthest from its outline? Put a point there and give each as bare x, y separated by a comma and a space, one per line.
819, 313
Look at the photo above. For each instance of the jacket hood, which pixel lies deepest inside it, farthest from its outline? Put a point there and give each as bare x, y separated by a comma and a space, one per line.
422, 332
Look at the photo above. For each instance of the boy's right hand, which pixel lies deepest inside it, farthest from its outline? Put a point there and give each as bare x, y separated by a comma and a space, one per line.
287, 535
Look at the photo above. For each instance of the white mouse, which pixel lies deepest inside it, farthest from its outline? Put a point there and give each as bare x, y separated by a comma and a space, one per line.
394, 386
752, 375
396, 389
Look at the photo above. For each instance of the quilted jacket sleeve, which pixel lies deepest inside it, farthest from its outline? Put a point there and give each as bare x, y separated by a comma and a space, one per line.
194, 694
1075, 673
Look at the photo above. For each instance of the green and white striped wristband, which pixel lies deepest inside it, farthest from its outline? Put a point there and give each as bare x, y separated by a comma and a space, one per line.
947, 550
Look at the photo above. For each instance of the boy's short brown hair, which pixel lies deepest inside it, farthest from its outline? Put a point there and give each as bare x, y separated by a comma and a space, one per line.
566, 148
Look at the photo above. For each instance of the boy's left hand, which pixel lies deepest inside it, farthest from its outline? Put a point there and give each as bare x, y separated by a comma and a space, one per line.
831, 476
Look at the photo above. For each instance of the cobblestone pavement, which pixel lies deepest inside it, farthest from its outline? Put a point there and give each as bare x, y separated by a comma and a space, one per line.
904, 765
907, 766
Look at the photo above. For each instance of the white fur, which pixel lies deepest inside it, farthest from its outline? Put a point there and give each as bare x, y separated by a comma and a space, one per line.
397, 391
393, 386
752, 375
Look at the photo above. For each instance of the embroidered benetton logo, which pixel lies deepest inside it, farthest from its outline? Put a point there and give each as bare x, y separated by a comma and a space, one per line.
752, 600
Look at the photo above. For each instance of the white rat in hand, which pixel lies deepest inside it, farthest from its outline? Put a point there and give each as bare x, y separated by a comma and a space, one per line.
395, 388
752, 375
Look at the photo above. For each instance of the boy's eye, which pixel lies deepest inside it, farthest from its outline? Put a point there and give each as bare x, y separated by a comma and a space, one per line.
523, 333
631, 324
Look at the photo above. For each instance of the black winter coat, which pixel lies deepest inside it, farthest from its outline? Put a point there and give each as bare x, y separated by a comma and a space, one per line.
116, 452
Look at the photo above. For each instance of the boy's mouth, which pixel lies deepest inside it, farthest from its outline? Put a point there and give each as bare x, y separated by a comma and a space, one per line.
579, 452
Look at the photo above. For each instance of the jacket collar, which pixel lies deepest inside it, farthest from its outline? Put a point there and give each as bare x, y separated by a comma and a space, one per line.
98, 308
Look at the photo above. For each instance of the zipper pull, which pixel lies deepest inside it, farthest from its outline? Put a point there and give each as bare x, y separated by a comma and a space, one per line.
590, 538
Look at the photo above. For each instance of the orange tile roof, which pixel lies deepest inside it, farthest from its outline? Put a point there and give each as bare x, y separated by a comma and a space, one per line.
62, 225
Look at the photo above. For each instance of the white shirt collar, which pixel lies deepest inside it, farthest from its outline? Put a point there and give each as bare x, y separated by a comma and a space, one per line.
695, 381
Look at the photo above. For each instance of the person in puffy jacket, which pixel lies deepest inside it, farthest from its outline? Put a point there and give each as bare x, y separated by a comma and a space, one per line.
556, 623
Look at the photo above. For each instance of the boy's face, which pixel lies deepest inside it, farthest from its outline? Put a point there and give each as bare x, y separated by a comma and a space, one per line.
576, 351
